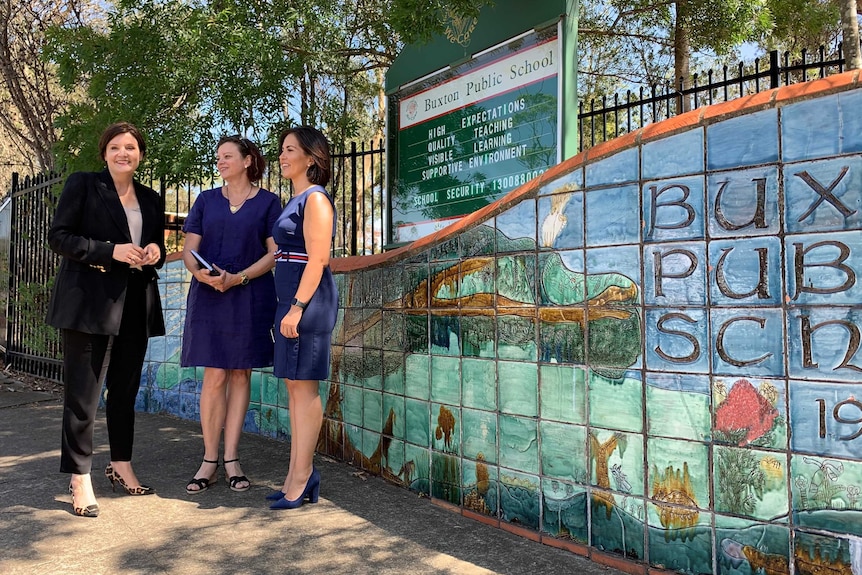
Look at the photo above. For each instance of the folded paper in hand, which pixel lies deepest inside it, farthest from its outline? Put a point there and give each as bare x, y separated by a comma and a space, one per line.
204, 264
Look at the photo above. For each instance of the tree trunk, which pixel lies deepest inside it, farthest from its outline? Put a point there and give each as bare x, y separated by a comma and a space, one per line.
681, 54
850, 40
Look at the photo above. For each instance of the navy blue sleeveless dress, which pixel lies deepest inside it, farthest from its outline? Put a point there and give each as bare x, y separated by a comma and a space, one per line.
307, 356
232, 329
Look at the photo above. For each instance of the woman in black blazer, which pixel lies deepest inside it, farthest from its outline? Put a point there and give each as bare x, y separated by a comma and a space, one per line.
110, 231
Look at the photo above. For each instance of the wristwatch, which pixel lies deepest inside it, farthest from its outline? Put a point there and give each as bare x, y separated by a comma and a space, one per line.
244, 277
299, 304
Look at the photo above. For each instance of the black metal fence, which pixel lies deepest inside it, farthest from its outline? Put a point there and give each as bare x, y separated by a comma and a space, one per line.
608, 118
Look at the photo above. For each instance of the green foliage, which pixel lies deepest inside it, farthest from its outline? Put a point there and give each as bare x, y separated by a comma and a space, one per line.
32, 305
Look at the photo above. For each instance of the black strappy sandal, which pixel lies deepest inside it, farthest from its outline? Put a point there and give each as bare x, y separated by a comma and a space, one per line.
236, 479
203, 483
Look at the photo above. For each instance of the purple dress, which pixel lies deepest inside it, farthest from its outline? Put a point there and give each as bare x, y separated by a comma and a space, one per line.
231, 330
306, 357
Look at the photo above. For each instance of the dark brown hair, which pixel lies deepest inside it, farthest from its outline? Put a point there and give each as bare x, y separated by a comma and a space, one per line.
314, 144
115, 130
247, 148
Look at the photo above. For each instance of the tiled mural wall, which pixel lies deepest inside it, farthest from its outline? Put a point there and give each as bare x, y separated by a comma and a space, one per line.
652, 356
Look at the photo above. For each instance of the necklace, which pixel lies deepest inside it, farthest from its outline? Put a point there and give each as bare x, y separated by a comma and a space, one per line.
235, 208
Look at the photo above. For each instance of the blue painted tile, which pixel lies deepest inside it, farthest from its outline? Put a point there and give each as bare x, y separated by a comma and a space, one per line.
574, 180
747, 342
613, 216
561, 221
675, 273
824, 343
826, 418
517, 223
673, 209
743, 202
617, 169
519, 498
742, 141
620, 261
825, 126
677, 340
745, 272
824, 268
824, 195
676, 155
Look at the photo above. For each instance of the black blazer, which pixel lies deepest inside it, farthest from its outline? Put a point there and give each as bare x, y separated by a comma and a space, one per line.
90, 287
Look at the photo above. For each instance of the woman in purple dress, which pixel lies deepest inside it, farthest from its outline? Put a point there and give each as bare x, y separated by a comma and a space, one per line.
307, 304
229, 315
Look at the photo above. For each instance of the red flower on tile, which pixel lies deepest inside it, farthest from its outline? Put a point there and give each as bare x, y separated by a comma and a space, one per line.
745, 410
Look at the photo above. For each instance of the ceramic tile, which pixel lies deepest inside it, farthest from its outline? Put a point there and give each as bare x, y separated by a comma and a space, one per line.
573, 180
563, 393
446, 380
417, 376
617, 404
371, 442
674, 155
745, 272
673, 209
679, 540
478, 335
563, 451
479, 241
622, 263
446, 477
747, 341
824, 196
519, 499
372, 369
446, 425
616, 169
562, 279
445, 334
372, 410
479, 435
617, 461
392, 328
823, 268
826, 418
516, 280
742, 141
615, 529
750, 411
393, 372
417, 419
479, 384
678, 472
823, 342
613, 216
519, 443
519, 388
676, 338
614, 341
564, 510
743, 202
678, 405
826, 494
445, 250
675, 274
481, 487
824, 126
743, 546
818, 553
393, 415
417, 333
392, 460
749, 482
351, 405
517, 223
516, 335
417, 473
561, 220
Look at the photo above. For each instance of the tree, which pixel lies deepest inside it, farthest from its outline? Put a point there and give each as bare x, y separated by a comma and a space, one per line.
850, 28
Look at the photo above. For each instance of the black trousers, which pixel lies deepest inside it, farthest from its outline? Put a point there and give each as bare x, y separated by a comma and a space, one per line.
86, 359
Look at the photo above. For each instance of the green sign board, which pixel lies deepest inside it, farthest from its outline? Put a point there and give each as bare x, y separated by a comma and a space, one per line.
469, 135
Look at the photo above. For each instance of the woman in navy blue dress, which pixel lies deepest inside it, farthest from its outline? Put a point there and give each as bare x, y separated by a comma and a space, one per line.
307, 304
228, 328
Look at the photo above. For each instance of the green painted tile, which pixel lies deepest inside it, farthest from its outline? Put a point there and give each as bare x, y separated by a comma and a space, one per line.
393, 459
519, 388
393, 330
617, 461
393, 372
616, 405
446, 379
564, 451
393, 409
563, 391
446, 421
416, 326
516, 337
678, 414
481, 487
418, 473
372, 410
673, 463
446, 477
417, 417
479, 384
679, 539
351, 405
612, 528
749, 482
283, 424
169, 376
564, 510
519, 443
372, 369
417, 376
255, 389
769, 539
519, 498
477, 336
270, 391
371, 441
479, 435
445, 335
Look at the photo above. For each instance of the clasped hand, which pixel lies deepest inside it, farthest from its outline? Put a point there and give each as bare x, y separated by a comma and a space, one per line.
136, 255
222, 282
